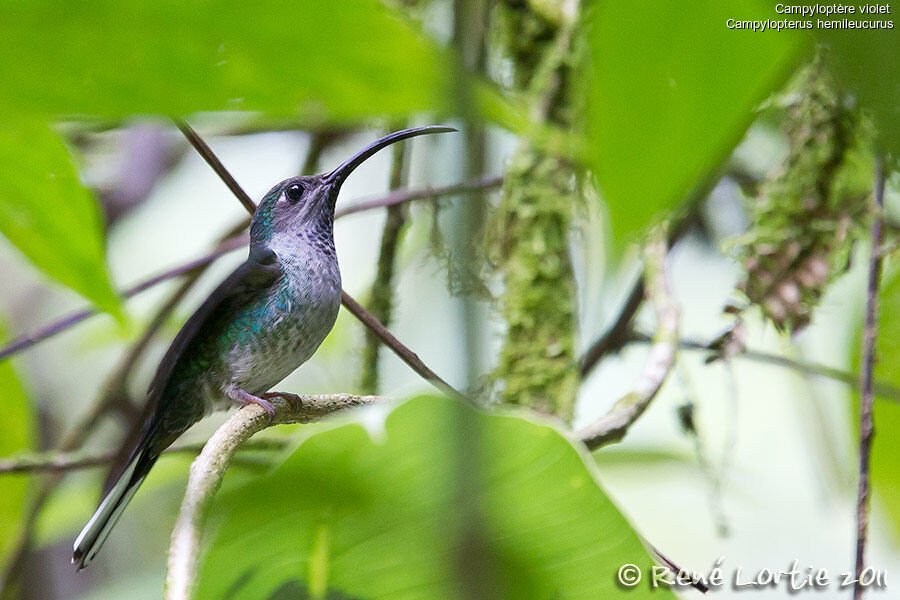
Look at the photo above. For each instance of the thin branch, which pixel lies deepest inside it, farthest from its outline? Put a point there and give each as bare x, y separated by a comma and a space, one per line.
867, 399
53, 461
404, 353
42, 462
213, 161
381, 296
695, 582
617, 335
613, 426
26, 341
367, 319
209, 468
881, 389
712, 475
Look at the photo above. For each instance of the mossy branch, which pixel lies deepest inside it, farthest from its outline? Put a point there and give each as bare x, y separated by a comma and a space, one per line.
808, 213
537, 365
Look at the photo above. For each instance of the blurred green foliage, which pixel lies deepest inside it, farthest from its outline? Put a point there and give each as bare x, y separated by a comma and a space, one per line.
49, 215
16, 434
866, 62
813, 206
111, 59
382, 513
673, 91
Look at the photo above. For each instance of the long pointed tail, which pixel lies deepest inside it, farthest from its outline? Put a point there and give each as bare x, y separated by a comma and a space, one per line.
91, 538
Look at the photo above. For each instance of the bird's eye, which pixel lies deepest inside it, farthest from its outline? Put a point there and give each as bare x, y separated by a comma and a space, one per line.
294, 193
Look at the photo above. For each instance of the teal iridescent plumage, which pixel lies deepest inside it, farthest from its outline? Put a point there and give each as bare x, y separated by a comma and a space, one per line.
265, 320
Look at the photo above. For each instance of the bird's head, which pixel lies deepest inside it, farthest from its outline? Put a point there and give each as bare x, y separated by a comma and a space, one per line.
308, 201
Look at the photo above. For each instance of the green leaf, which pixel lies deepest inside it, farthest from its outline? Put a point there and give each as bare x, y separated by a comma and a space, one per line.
103, 58
16, 434
866, 62
49, 215
885, 457
672, 92
113, 59
378, 518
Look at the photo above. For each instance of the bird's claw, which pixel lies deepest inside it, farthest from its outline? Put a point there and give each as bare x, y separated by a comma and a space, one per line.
265, 404
295, 400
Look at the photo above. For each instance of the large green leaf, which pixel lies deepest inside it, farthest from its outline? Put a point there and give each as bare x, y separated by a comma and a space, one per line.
49, 215
866, 62
16, 433
109, 58
347, 516
885, 458
672, 91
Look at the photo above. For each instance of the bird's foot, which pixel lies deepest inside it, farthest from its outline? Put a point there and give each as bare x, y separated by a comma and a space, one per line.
295, 400
245, 399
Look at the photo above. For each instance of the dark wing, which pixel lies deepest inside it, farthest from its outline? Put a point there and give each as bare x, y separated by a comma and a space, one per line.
250, 279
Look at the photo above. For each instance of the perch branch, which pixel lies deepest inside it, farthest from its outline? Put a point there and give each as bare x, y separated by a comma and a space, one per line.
26, 341
209, 468
613, 426
364, 316
867, 398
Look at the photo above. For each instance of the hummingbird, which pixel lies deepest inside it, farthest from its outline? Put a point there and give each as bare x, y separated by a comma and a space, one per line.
262, 322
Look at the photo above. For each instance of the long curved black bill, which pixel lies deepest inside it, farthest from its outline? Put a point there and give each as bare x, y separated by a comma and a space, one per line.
339, 175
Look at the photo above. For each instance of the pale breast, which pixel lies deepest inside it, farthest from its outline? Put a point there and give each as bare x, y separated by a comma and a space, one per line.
289, 325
